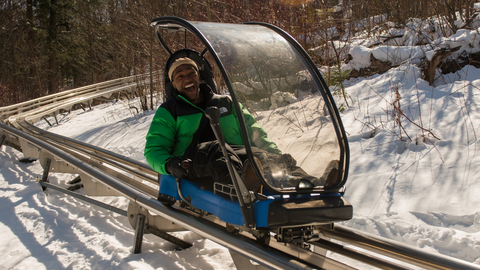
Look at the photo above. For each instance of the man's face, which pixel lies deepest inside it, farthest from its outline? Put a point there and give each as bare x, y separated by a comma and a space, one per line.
186, 80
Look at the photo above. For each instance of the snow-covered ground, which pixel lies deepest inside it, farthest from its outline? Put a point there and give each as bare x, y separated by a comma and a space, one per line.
417, 182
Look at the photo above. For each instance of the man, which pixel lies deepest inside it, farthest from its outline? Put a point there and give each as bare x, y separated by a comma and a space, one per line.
180, 132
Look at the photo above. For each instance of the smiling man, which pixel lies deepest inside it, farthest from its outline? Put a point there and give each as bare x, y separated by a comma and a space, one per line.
180, 133
184, 77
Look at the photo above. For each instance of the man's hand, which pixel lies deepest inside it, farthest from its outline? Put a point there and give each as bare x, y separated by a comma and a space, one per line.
177, 167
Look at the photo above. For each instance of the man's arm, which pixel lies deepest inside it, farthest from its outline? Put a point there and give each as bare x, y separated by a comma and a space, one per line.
160, 140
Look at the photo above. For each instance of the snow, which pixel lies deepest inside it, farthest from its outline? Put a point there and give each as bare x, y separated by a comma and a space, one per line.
417, 183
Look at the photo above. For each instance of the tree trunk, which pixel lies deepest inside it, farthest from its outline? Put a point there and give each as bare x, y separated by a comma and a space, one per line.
33, 86
52, 37
151, 68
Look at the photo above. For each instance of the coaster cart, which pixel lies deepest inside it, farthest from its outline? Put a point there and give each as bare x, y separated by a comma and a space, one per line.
265, 71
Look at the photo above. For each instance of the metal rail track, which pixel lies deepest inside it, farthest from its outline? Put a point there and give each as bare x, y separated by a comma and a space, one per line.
137, 182
44, 101
266, 256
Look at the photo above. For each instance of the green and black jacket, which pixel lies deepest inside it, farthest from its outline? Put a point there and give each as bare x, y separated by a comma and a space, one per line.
177, 125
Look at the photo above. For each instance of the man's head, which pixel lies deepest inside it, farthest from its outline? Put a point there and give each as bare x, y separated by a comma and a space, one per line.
184, 76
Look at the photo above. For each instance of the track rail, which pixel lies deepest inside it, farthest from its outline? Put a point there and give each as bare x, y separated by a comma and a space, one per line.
137, 182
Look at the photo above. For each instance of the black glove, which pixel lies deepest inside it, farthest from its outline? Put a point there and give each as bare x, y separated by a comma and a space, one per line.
177, 167
289, 160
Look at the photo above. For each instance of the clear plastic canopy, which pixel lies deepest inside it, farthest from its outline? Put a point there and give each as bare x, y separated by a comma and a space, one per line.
274, 82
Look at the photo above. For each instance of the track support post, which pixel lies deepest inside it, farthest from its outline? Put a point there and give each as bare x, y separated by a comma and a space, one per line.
2, 139
56, 119
137, 248
45, 172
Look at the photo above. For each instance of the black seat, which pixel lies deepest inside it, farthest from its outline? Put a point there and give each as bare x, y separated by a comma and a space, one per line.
204, 70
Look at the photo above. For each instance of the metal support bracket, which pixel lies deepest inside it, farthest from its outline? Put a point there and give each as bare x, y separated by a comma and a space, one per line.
2, 139
170, 238
46, 120
155, 225
137, 248
46, 169
55, 116
11, 140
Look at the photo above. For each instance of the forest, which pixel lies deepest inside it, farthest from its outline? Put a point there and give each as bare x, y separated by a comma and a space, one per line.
47, 46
